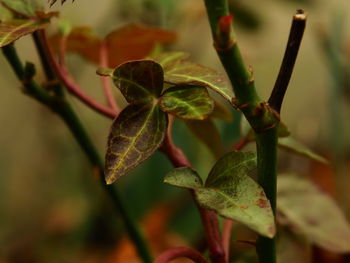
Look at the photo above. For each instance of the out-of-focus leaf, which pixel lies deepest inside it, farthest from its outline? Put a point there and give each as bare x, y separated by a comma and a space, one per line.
221, 111
207, 133
131, 42
231, 192
139, 80
294, 146
12, 30
184, 177
80, 40
178, 70
187, 102
135, 41
135, 134
309, 211
25, 8
292, 248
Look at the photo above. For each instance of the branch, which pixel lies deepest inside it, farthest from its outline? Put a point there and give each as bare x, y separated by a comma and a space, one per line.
290, 56
105, 80
60, 106
179, 252
63, 75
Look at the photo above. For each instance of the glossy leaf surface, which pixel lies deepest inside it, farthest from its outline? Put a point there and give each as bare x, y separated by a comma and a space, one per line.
187, 102
139, 80
310, 211
178, 70
135, 134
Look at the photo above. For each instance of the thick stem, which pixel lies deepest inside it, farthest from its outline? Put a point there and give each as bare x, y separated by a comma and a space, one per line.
60, 106
180, 252
260, 116
267, 177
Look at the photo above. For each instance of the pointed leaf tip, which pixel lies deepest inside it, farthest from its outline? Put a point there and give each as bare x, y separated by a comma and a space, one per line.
231, 192
105, 72
135, 135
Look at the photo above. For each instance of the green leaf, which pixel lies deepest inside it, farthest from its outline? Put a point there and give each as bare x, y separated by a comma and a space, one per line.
135, 134
167, 59
187, 102
207, 133
139, 80
231, 192
292, 145
26, 8
308, 210
184, 177
12, 30
178, 70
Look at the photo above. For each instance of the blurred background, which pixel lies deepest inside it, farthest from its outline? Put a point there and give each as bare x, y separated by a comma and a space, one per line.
52, 208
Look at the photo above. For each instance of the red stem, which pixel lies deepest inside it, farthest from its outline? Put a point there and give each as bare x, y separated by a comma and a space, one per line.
106, 84
63, 75
209, 218
179, 252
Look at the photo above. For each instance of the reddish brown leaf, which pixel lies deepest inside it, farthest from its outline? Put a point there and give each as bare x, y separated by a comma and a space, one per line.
80, 40
134, 41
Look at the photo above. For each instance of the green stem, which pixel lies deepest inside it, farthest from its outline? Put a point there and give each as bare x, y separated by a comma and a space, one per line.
64, 110
267, 169
261, 117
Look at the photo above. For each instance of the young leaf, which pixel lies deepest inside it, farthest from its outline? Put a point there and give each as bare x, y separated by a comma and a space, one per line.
12, 30
139, 80
134, 41
308, 210
90, 50
135, 134
187, 102
207, 133
178, 70
292, 145
231, 192
184, 177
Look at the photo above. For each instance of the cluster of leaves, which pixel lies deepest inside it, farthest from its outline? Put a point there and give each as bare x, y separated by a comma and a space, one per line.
140, 128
